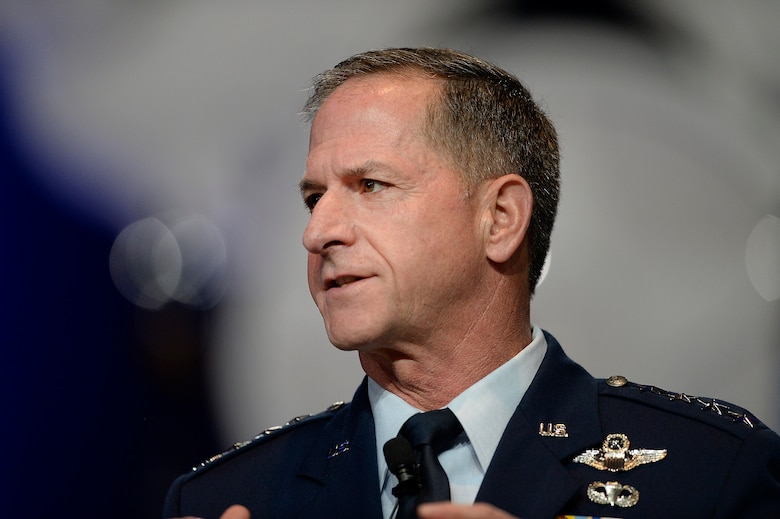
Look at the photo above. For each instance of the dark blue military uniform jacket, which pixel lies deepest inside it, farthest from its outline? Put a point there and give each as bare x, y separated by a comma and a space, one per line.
720, 461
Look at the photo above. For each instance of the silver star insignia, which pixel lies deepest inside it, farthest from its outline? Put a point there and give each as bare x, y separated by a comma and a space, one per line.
615, 455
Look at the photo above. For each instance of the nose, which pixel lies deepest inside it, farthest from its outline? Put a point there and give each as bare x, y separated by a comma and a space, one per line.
329, 225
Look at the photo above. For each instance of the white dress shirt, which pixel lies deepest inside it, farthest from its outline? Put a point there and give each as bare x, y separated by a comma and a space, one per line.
484, 410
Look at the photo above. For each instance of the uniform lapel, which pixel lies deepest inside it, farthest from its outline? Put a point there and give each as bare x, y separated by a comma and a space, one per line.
341, 468
527, 476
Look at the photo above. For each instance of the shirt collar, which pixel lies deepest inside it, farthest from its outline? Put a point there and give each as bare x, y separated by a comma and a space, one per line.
484, 409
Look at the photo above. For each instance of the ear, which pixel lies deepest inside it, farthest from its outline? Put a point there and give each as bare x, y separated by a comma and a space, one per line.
509, 203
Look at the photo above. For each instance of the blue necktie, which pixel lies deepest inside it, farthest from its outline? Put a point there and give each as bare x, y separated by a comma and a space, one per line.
430, 434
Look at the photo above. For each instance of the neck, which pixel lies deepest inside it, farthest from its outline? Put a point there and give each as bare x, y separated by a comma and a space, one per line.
430, 375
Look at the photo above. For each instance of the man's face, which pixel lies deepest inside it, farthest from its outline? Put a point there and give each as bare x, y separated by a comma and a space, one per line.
395, 246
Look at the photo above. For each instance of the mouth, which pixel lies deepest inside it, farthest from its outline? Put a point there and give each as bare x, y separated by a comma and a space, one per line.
341, 281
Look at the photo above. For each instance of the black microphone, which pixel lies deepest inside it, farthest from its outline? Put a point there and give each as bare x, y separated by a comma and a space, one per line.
400, 460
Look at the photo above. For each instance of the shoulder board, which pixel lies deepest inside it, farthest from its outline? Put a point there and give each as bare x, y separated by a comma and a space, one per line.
272, 432
716, 412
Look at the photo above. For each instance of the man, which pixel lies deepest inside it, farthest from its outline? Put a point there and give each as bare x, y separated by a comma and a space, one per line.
432, 181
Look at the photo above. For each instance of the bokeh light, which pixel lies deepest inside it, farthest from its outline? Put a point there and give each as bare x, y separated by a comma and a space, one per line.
152, 263
762, 257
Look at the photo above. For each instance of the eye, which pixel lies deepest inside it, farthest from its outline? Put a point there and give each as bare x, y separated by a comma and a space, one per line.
311, 200
372, 186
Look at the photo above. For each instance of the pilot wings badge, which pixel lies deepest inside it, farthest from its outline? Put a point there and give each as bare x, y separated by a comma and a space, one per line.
615, 455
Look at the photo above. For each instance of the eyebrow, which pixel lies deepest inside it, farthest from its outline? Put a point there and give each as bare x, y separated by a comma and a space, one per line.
308, 185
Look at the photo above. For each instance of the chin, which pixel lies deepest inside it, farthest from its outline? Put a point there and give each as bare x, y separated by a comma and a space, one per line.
345, 346
348, 341
353, 341
352, 330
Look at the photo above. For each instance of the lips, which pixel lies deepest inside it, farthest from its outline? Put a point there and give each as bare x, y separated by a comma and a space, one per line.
341, 281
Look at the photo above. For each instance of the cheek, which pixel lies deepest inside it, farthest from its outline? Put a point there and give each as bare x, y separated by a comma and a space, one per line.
452, 232
438, 249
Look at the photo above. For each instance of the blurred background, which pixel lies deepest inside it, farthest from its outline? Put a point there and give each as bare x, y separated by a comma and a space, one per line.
154, 307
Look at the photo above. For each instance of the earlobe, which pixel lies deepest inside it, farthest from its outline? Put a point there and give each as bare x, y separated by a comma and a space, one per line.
510, 203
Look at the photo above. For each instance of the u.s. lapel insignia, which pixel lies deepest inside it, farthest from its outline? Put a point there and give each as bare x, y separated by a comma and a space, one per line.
613, 493
615, 455
339, 449
557, 430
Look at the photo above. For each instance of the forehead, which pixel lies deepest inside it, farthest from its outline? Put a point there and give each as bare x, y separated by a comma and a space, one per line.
372, 119
401, 84
380, 101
